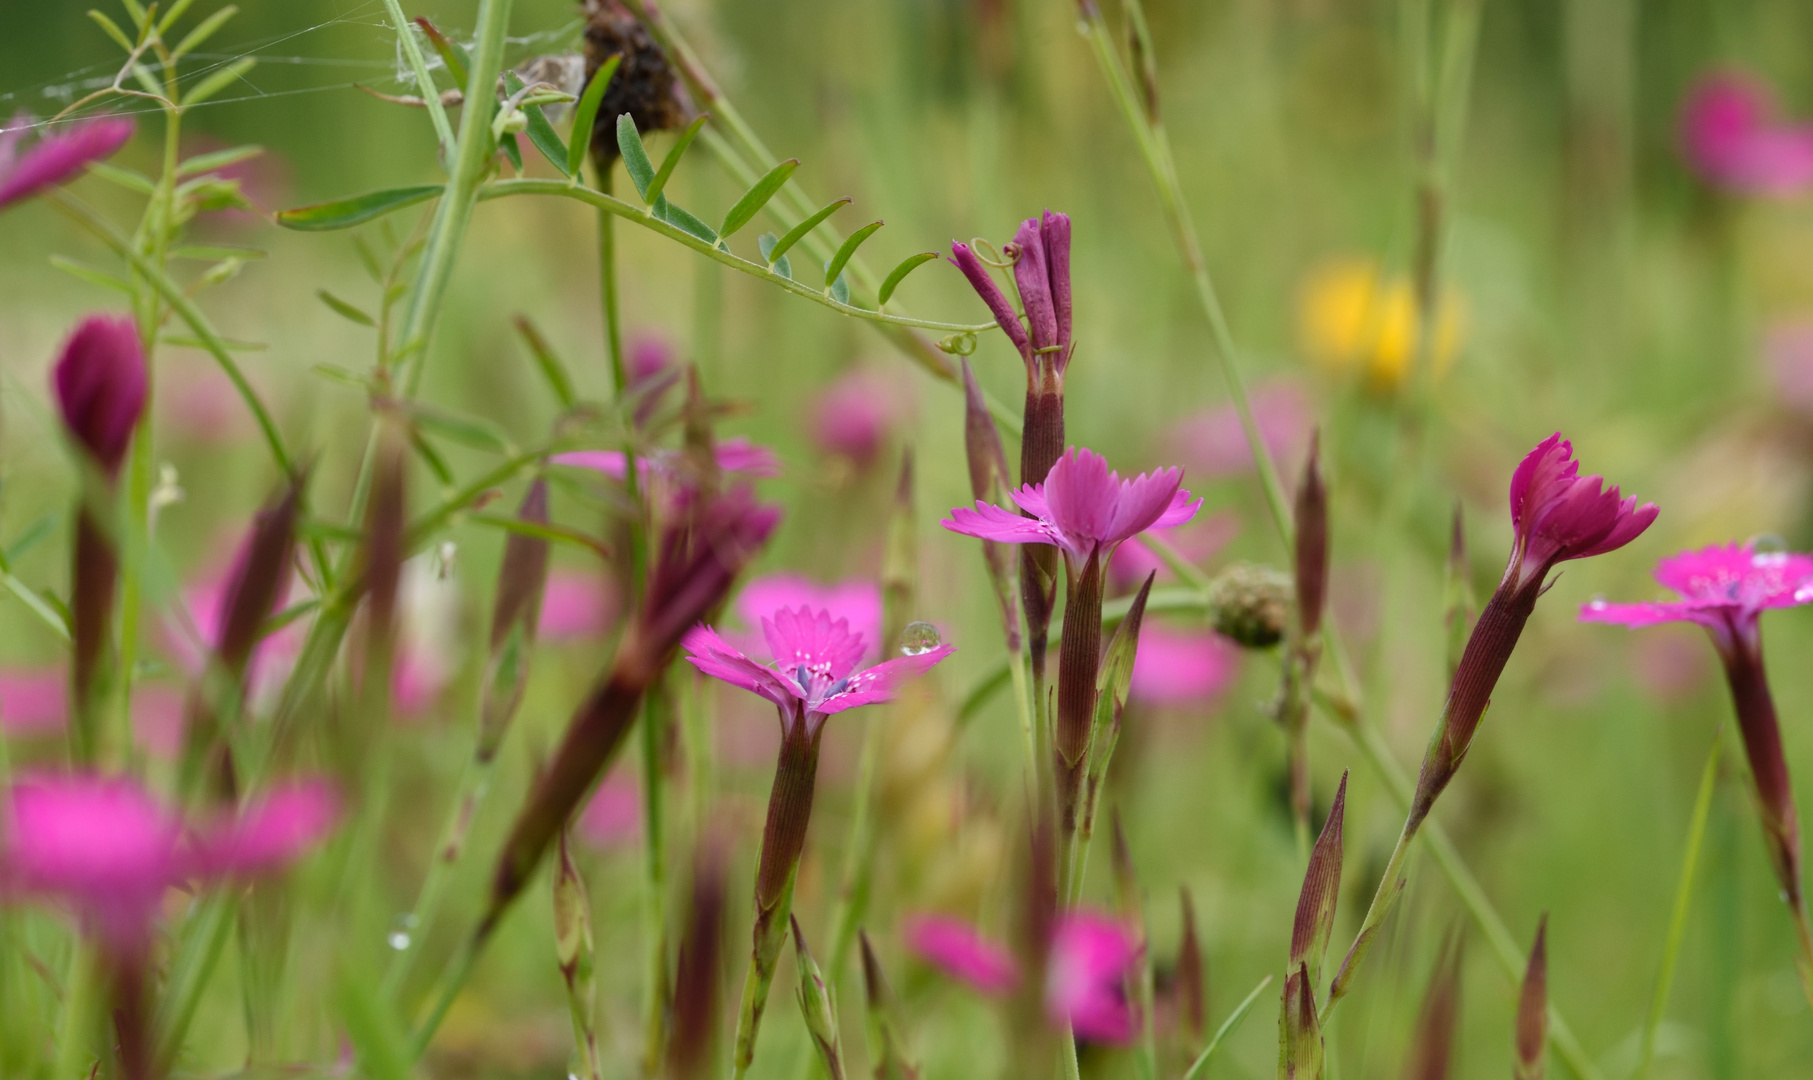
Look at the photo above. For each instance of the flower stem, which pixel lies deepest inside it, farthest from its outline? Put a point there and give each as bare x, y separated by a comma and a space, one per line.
475, 781
1677, 922
655, 720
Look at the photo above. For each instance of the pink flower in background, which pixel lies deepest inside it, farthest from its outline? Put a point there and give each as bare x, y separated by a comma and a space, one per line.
1788, 354
816, 663
1182, 667
857, 602
157, 719
1731, 139
734, 455
34, 701
1198, 542
1214, 444
1082, 507
955, 948
1085, 977
100, 387
198, 402
273, 656
1559, 515
854, 415
105, 847
649, 354
613, 819
1085, 970
575, 605
56, 158
1723, 588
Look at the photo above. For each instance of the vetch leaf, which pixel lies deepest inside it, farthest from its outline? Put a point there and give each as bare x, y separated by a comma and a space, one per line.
540, 132
512, 150
798, 232
204, 30
219, 159
472, 431
174, 13
585, 114
768, 242
545, 359
844, 253
344, 309
757, 197
686, 222
635, 156
130, 179
216, 252
112, 28
219, 81
93, 276
345, 213
672, 160
899, 273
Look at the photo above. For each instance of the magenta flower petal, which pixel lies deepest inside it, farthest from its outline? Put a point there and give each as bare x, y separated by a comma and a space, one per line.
1724, 587
1213, 443
1730, 138
1033, 276
816, 658
858, 602
608, 462
879, 683
955, 948
1082, 506
991, 522
1085, 977
100, 386
715, 657
34, 702
575, 605
271, 833
1560, 515
854, 415
57, 158
102, 846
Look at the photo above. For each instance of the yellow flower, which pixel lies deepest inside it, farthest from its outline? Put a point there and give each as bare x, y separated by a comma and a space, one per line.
1351, 318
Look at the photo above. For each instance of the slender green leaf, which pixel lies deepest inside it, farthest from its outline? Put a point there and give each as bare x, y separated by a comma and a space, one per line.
551, 368
113, 30
379, 1040
757, 197
798, 232
345, 213
30, 538
475, 432
635, 156
330, 530
836, 265
540, 132
93, 276
1227, 1028
672, 160
137, 11
215, 252
899, 273
840, 289
512, 150
682, 219
130, 179
585, 114
220, 80
432, 458
541, 530
204, 30
768, 242
451, 52
219, 159
185, 341
344, 309
142, 75
177, 10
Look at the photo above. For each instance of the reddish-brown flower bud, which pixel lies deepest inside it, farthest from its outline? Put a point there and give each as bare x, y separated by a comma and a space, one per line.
1192, 986
521, 580
1432, 1053
1533, 1009
1315, 918
1312, 544
101, 385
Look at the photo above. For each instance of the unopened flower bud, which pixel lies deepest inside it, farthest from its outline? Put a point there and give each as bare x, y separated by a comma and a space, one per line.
1251, 605
644, 85
100, 384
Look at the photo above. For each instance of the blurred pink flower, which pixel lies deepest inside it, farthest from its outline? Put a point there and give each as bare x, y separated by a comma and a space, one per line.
1179, 667
1788, 354
613, 819
1731, 139
1198, 542
955, 948
1213, 444
206, 599
157, 719
854, 415
1723, 588
55, 158
100, 385
1085, 977
816, 664
198, 402
649, 355
575, 605
34, 701
1082, 507
1085, 970
109, 850
1670, 667
734, 455
858, 602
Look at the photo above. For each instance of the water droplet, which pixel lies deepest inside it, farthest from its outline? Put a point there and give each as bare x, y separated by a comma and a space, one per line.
1768, 544
1597, 603
400, 927
919, 638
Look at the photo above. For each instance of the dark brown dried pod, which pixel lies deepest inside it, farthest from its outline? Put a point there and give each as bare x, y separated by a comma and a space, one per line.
644, 86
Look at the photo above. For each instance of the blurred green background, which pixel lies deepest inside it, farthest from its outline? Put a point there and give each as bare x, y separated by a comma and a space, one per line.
1603, 291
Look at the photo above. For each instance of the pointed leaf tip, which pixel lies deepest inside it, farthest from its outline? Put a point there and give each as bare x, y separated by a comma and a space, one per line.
900, 272
585, 114
747, 207
1315, 916
1533, 1009
835, 267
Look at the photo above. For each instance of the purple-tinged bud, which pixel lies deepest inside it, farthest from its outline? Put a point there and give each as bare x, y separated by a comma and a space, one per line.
573, 949
515, 614
1533, 1009
1079, 661
695, 1013
56, 158
101, 384
965, 260
886, 1046
1312, 544
1315, 919
816, 1006
1042, 271
1432, 1054
1191, 983
1299, 1033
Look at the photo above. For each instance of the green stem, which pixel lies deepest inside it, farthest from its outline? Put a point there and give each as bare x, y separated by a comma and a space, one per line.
431, 97
474, 783
75, 1041
654, 882
1677, 920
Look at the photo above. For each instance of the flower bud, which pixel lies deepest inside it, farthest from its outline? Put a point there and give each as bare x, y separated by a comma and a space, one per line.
644, 85
886, 1046
516, 612
1533, 1009
1251, 605
101, 385
816, 1005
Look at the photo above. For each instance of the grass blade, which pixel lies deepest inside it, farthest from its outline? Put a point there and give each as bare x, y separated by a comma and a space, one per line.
357, 210
1227, 1028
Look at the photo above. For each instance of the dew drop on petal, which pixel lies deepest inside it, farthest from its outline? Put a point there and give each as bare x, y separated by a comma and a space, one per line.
919, 638
1597, 603
1768, 544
